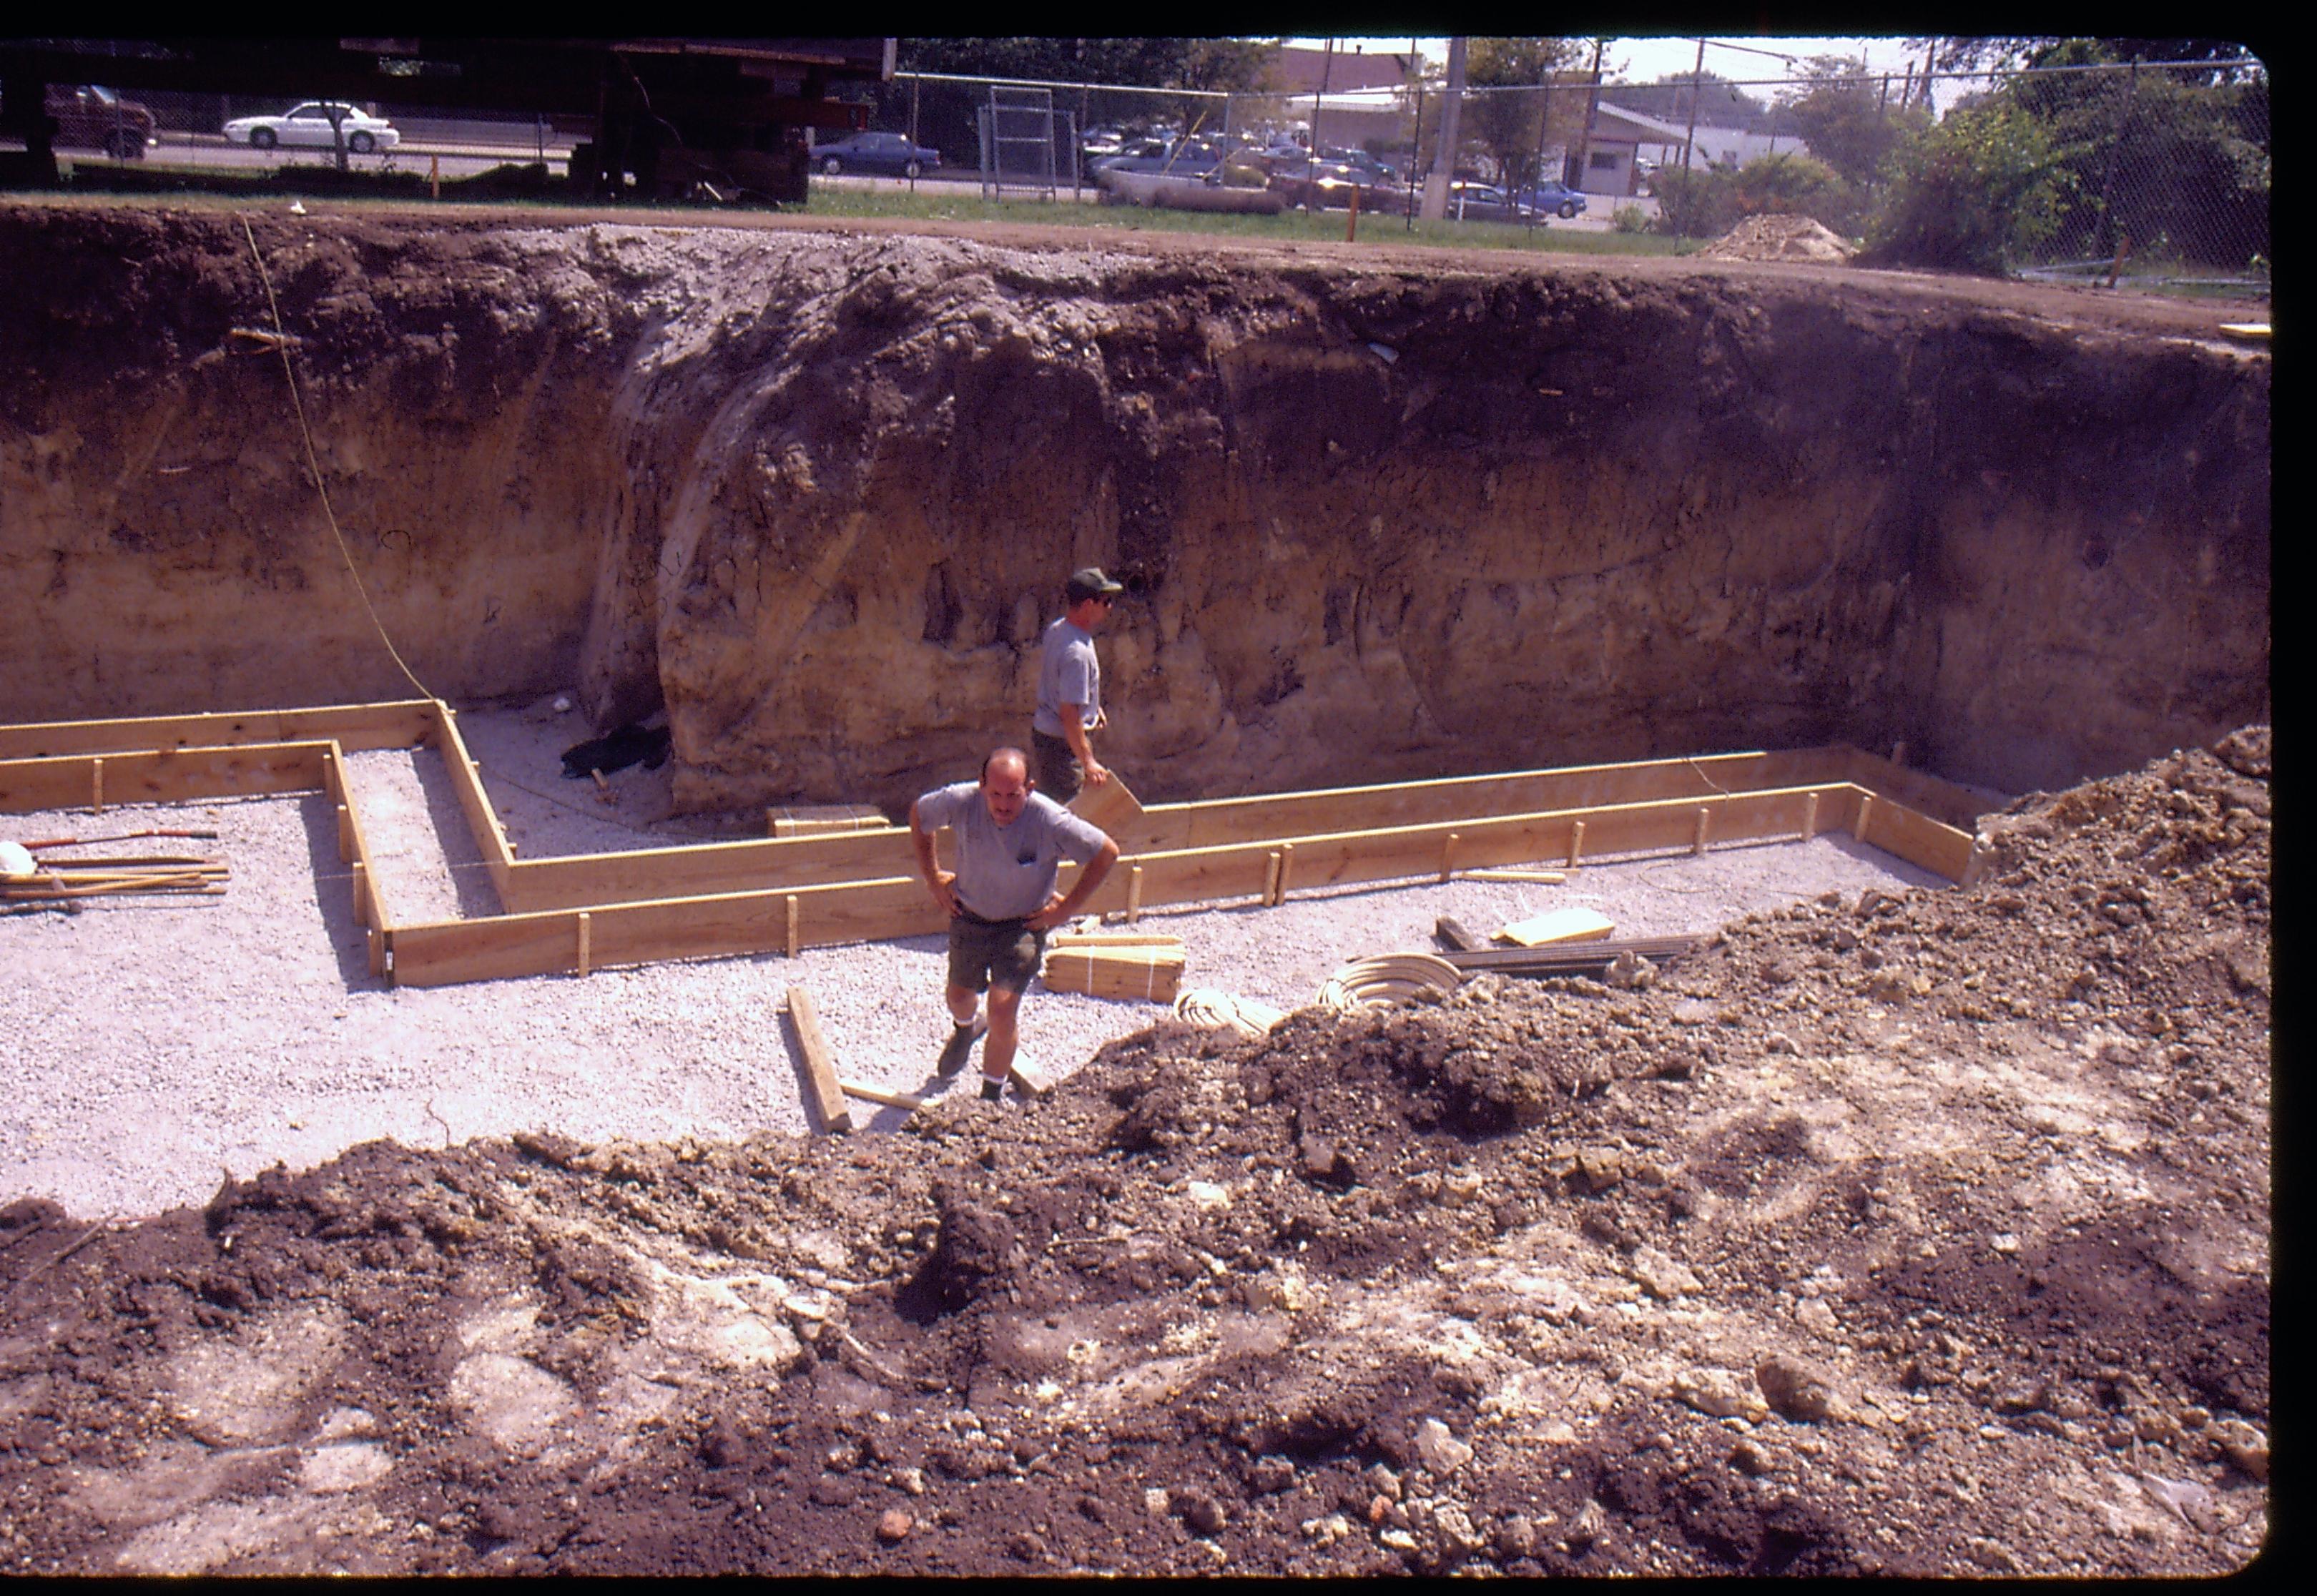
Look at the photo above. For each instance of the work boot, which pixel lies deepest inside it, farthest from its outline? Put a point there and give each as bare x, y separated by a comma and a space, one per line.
959, 1045
992, 1091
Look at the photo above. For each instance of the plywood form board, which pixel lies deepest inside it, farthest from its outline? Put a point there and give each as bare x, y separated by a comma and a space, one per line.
354, 847
445, 952
1112, 806
467, 783
399, 724
835, 914
1917, 839
1930, 795
759, 864
575, 880
1275, 816
174, 775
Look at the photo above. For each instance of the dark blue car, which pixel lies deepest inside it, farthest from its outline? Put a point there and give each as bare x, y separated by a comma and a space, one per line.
890, 154
1556, 197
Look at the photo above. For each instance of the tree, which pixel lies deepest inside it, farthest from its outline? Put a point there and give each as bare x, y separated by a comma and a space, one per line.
1786, 184
1978, 191
1843, 116
1516, 119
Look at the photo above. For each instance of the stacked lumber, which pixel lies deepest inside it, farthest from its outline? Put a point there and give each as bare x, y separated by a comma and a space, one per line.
32, 874
821, 820
1568, 958
1146, 965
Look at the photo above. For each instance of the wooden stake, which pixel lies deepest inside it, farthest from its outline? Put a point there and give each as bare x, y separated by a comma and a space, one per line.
819, 1065
1697, 844
346, 834
1286, 863
96, 786
1809, 818
1134, 894
1448, 857
794, 942
361, 896
1576, 843
1899, 752
1270, 877
583, 943
883, 1094
1865, 809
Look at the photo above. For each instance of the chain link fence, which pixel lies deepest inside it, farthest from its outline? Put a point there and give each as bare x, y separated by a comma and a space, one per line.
2154, 173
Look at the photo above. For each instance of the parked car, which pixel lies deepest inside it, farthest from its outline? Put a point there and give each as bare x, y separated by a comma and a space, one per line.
1486, 202
1189, 158
1378, 171
308, 126
1102, 142
91, 117
890, 154
1329, 186
1556, 197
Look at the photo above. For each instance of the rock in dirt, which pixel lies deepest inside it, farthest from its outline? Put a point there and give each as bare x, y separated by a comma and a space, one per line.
1795, 1389
894, 1526
1438, 1448
1198, 1509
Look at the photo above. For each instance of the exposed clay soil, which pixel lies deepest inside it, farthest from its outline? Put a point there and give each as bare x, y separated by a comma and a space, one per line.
1924, 1234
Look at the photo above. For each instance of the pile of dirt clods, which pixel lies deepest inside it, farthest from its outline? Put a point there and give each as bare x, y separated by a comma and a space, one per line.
1924, 1234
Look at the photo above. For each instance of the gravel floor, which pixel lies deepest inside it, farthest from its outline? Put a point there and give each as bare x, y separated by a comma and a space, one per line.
152, 1045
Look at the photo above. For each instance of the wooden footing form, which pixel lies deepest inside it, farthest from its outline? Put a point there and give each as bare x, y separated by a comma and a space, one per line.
585, 913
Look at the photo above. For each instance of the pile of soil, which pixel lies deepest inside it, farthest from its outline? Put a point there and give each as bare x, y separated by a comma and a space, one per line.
1780, 238
1922, 1233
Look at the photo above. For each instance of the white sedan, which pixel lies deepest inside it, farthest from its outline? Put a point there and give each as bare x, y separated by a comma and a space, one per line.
308, 125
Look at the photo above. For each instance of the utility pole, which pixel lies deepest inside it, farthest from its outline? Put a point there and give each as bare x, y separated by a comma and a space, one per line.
1576, 179
1326, 64
1696, 93
1444, 159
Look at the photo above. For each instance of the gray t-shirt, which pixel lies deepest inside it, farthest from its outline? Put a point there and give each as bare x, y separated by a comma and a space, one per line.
1004, 873
1067, 673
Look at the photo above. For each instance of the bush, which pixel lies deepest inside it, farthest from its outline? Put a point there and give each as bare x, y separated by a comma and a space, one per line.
1982, 188
1797, 185
1696, 204
1629, 219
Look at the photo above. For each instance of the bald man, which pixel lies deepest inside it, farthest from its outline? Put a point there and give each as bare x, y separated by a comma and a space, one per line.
1002, 899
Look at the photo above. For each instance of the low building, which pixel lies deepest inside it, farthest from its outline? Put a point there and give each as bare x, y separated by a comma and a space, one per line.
1623, 142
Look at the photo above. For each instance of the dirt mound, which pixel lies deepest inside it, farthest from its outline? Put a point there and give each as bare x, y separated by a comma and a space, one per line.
1780, 238
1823, 1254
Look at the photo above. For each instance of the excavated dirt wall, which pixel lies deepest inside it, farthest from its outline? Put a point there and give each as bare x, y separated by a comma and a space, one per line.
1383, 514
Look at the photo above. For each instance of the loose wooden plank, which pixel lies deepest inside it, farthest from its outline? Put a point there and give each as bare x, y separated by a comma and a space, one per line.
1569, 957
1543, 878
1573, 925
1113, 939
1029, 1077
163, 776
1112, 806
886, 1095
819, 1063
1454, 934
396, 724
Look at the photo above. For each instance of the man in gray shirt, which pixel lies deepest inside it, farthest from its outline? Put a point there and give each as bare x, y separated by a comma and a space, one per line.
1070, 689
1001, 899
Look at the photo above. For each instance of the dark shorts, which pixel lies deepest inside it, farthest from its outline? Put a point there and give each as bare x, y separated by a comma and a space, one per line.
1000, 953
1059, 774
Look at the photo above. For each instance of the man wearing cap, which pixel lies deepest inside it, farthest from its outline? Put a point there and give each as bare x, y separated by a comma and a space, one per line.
1069, 690
1001, 899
